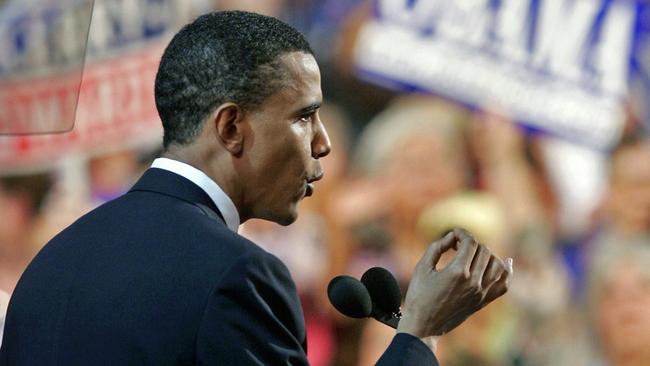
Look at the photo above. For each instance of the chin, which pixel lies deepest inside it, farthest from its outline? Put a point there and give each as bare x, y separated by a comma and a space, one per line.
282, 218
288, 219
286, 222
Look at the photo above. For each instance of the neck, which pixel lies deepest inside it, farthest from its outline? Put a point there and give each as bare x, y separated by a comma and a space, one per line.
216, 165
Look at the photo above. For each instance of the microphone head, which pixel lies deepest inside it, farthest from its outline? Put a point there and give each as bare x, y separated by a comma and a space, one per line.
383, 289
349, 296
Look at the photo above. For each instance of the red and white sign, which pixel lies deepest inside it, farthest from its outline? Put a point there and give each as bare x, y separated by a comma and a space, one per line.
116, 108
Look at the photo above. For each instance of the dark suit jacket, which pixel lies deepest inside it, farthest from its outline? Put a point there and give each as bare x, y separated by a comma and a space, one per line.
152, 279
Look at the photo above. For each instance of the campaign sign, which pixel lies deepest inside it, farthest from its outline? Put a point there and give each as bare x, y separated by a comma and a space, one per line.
560, 66
47, 109
40, 39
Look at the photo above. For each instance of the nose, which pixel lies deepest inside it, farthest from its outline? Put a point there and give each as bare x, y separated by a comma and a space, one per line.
321, 145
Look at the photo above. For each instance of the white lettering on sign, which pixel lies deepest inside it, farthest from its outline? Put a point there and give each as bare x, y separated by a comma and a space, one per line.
614, 44
512, 29
561, 43
454, 21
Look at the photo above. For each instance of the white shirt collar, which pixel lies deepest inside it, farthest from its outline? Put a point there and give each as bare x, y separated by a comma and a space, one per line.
223, 202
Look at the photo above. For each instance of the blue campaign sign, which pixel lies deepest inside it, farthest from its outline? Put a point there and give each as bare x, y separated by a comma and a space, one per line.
561, 66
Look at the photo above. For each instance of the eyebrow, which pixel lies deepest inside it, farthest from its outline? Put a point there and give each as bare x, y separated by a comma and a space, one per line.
308, 109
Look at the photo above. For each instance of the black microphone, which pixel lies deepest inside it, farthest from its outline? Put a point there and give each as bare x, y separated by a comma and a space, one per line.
385, 294
350, 297
377, 295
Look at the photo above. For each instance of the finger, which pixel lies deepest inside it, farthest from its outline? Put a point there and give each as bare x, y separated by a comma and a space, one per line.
446, 243
493, 271
480, 263
500, 287
435, 251
462, 234
466, 251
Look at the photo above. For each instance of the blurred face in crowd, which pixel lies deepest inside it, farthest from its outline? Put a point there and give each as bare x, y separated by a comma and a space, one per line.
623, 311
286, 139
20, 201
425, 168
630, 201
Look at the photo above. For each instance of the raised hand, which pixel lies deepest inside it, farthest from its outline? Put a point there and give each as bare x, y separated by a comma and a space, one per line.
438, 300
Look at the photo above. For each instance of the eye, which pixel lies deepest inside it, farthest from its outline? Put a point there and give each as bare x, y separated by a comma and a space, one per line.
306, 119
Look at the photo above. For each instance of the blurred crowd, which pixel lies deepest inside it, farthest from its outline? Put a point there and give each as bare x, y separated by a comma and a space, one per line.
404, 169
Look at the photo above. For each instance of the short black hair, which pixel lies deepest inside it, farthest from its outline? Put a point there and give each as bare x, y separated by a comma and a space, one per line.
229, 56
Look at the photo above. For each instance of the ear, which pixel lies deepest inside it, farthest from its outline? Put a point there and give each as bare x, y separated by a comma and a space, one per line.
229, 131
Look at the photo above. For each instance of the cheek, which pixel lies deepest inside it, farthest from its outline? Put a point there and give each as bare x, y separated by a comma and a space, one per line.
301, 136
287, 158
297, 149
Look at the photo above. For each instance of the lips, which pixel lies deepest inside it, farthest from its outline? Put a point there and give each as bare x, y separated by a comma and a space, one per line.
309, 186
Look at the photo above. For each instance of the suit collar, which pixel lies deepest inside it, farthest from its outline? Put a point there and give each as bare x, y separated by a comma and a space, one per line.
223, 202
172, 184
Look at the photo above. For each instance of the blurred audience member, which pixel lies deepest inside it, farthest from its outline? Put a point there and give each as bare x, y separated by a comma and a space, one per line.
507, 169
619, 299
486, 338
112, 174
409, 156
623, 217
540, 292
21, 200
419, 176
626, 209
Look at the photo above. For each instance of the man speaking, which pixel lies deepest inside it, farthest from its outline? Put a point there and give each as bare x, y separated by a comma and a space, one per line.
160, 276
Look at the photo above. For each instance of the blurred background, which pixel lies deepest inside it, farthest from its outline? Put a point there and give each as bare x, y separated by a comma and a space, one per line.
524, 121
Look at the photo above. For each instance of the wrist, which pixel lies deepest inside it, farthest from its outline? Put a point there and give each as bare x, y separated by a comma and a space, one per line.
410, 325
431, 341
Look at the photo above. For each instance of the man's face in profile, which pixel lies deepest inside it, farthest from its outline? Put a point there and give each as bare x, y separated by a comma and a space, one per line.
286, 139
